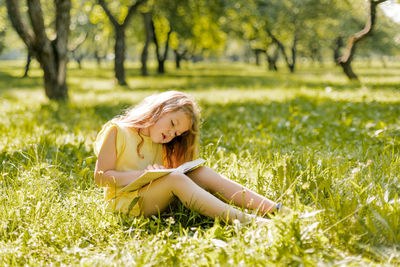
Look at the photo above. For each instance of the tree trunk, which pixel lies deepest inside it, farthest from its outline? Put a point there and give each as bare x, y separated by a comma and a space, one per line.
164, 58
272, 59
74, 50
119, 59
28, 64
348, 70
336, 49
160, 58
347, 58
294, 52
79, 61
54, 81
148, 33
272, 53
2, 39
177, 59
51, 81
161, 66
119, 47
290, 62
78, 57
383, 61
98, 58
52, 55
179, 56
257, 53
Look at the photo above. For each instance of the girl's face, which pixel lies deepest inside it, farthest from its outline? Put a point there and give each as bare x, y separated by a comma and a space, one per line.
168, 126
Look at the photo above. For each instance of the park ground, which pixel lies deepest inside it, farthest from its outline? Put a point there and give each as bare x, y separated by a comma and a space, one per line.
325, 147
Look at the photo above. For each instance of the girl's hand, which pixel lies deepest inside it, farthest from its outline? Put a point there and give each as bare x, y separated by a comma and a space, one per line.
155, 167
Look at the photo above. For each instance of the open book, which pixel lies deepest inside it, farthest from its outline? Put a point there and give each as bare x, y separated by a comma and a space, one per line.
151, 175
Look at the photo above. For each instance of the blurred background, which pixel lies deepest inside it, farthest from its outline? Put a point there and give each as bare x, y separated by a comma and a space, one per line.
278, 35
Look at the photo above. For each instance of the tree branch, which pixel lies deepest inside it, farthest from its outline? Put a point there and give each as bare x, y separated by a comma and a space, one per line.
167, 45
108, 13
63, 18
131, 11
155, 40
19, 23
36, 16
366, 31
78, 42
279, 44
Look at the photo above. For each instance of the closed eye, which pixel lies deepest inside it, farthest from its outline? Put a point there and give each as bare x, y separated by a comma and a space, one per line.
172, 123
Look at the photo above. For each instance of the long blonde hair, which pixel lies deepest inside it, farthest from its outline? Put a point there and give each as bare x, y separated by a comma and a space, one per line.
180, 149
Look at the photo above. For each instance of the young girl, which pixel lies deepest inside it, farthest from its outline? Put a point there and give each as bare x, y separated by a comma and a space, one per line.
162, 132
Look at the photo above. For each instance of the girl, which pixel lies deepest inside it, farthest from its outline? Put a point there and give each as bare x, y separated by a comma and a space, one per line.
162, 132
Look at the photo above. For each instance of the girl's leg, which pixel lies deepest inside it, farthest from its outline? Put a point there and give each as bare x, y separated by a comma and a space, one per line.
157, 196
230, 190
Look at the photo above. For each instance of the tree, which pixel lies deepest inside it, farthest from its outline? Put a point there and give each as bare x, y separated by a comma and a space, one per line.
51, 53
292, 23
29, 57
2, 38
3, 27
384, 43
147, 23
161, 55
345, 60
80, 28
187, 26
77, 35
75, 52
119, 30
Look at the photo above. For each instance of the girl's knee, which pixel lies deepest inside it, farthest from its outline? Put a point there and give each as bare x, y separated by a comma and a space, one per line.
201, 176
200, 172
176, 179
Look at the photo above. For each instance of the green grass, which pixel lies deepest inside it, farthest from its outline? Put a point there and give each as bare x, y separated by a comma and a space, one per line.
327, 148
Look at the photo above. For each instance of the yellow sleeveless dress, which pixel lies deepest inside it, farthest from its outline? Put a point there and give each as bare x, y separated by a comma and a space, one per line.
127, 140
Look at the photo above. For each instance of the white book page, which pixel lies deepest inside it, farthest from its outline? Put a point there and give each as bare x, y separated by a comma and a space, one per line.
190, 165
152, 175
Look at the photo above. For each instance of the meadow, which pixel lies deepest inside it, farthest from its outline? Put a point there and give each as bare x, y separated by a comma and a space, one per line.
325, 147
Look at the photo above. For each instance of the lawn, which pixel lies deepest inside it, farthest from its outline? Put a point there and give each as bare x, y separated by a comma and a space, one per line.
327, 148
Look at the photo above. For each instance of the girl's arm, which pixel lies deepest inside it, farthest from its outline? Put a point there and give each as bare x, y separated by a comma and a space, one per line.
105, 173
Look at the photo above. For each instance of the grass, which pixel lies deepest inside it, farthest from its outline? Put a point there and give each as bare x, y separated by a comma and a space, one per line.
327, 148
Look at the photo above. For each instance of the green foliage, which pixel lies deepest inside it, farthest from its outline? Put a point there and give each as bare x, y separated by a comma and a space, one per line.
194, 24
327, 149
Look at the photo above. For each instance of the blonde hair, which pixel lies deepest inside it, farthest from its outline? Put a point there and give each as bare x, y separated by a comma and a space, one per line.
180, 149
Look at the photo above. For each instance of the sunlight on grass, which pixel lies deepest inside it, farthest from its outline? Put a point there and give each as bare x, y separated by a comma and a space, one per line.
327, 148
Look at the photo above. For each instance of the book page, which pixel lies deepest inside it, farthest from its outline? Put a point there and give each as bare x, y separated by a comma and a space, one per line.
146, 178
190, 165
152, 175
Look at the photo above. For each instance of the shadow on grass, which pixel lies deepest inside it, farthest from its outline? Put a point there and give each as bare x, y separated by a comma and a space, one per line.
203, 77
10, 82
386, 85
220, 81
175, 217
198, 80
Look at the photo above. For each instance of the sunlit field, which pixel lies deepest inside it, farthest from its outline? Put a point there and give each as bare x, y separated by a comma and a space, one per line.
325, 147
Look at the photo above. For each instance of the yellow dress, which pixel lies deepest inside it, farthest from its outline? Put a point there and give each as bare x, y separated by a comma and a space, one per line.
128, 159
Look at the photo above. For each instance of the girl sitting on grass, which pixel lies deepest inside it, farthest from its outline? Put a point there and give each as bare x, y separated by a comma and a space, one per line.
162, 132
